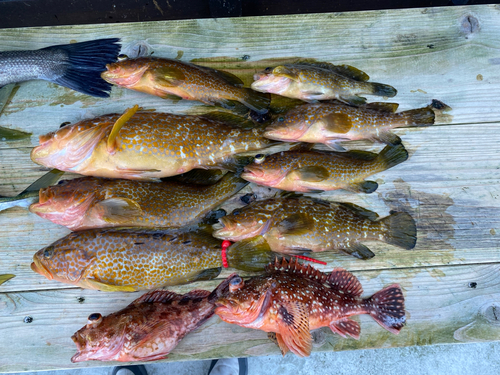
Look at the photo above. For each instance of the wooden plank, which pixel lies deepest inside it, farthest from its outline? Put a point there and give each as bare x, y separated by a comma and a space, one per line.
441, 307
452, 194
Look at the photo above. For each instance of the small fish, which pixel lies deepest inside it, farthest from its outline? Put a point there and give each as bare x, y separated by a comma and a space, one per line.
291, 300
77, 66
147, 329
316, 171
132, 259
90, 202
311, 81
293, 225
169, 78
149, 145
334, 122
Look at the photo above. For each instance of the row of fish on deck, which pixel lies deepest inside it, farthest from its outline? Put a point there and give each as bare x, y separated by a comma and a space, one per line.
163, 232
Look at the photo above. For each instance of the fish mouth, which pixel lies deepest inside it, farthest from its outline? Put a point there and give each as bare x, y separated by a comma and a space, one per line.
117, 75
270, 83
261, 176
39, 268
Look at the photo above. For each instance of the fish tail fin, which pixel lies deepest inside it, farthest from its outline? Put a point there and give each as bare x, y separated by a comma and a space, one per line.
387, 308
256, 101
380, 89
419, 117
84, 64
252, 254
401, 230
390, 156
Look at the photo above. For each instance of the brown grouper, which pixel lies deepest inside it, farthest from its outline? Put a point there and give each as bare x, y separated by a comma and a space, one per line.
291, 300
147, 329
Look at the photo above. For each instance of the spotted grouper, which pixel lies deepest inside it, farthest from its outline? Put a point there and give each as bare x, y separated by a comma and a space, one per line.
147, 329
148, 145
291, 300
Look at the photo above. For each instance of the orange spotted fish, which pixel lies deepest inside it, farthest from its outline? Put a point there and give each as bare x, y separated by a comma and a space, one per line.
310, 171
147, 329
292, 299
148, 145
334, 122
311, 81
130, 260
169, 78
294, 225
91, 202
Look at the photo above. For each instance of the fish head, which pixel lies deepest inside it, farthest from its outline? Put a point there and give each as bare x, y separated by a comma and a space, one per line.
268, 170
126, 73
67, 202
267, 81
70, 146
290, 126
101, 339
245, 222
247, 301
65, 260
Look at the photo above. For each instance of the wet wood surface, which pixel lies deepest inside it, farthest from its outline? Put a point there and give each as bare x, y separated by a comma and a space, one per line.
450, 184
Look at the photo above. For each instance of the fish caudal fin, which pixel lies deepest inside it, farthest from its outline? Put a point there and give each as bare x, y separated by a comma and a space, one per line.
256, 101
387, 307
380, 89
419, 117
252, 254
391, 156
401, 230
84, 64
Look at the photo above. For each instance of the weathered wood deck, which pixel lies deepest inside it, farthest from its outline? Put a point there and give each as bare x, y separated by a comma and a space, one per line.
450, 184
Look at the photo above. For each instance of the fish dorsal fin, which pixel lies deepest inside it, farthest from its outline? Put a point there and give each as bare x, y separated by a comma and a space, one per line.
288, 194
302, 146
195, 294
127, 115
359, 210
294, 267
229, 119
161, 296
360, 155
383, 107
345, 70
229, 77
344, 281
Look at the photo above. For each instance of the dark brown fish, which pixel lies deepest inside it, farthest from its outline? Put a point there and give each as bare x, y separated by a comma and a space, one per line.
147, 329
291, 300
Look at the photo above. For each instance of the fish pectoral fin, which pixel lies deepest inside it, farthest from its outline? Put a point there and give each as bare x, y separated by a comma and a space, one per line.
353, 100
359, 210
208, 274
341, 279
198, 176
387, 138
346, 327
335, 145
168, 76
383, 107
94, 284
119, 210
284, 71
278, 340
301, 146
337, 123
127, 115
293, 324
295, 225
359, 251
230, 119
174, 98
312, 173
363, 187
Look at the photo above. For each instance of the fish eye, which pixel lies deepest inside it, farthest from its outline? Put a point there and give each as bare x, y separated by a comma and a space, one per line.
281, 119
122, 57
62, 182
268, 69
236, 212
64, 124
235, 283
259, 158
94, 317
47, 253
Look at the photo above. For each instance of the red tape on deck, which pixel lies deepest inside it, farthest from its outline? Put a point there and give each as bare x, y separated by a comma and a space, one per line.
225, 245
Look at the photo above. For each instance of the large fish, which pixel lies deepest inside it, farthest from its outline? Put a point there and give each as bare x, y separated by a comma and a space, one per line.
312, 81
292, 299
147, 329
77, 66
129, 260
334, 122
166, 78
148, 145
92, 202
310, 171
292, 225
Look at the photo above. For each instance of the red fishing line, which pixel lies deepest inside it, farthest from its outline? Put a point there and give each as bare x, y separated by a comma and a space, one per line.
225, 245
310, 259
